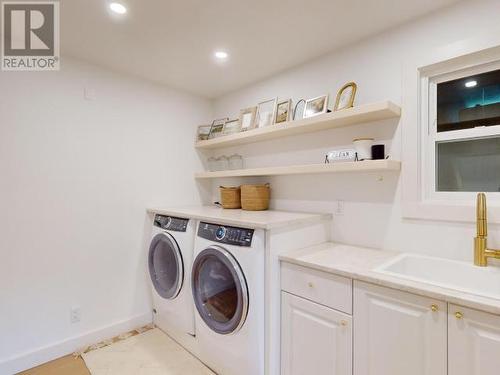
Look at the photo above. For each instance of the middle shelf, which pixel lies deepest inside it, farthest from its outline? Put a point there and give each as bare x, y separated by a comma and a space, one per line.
341, 167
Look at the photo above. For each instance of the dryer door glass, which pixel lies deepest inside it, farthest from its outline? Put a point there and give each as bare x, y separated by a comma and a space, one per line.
166, 266
219, 290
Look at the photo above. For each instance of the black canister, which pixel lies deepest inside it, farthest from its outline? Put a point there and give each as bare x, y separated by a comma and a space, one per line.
378, 152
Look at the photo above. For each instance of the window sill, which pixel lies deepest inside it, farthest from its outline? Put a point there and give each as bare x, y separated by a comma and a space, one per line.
448, 211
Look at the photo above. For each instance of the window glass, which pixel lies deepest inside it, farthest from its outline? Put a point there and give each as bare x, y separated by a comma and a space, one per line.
468, 165
469, 102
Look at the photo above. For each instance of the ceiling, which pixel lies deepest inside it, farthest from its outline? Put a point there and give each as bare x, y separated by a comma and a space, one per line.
172, 42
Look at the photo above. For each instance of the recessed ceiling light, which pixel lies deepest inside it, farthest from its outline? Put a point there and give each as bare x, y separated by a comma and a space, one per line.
470, 83
221, 55
118, 8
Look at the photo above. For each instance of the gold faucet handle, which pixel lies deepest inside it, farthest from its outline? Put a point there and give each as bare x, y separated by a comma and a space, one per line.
481, 215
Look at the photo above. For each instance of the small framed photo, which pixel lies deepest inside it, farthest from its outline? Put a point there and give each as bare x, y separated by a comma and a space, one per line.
247, 118
345, 96
265, 112
232, 127
283, 111
203, 132
316, 106
217, 128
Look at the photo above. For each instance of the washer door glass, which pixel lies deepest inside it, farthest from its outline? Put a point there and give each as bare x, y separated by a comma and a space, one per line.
219, 290
165, 265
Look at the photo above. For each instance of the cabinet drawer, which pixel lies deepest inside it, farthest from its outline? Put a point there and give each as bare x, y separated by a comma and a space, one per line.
321, 287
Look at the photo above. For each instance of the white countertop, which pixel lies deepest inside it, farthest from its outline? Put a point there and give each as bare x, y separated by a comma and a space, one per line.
358, 263
269, 219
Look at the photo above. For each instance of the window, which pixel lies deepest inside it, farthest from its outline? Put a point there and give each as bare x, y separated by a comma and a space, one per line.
468, 165
469, 102
462, 152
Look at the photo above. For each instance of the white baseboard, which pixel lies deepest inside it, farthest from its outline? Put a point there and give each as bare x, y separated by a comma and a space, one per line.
59, 349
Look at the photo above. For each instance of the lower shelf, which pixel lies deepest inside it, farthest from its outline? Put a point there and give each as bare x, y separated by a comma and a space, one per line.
340, 167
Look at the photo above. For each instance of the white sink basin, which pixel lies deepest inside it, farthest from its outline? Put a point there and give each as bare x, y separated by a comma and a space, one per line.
461, 276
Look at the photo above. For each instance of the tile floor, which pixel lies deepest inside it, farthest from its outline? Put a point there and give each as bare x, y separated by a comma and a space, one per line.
149, 353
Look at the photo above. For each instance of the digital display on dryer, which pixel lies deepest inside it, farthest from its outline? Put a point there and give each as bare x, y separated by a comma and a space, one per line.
175, 224
225, 234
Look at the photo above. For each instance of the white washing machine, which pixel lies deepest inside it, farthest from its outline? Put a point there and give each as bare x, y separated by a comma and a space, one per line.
170, 259
228, 292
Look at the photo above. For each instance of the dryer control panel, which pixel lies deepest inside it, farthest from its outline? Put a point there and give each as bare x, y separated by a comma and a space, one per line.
224, 234
175, 224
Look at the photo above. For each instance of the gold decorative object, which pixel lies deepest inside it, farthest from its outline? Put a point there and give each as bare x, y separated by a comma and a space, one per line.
345, 96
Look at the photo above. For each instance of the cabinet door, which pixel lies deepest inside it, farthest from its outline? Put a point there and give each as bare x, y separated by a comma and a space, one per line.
398, 333
314, 339
474, 342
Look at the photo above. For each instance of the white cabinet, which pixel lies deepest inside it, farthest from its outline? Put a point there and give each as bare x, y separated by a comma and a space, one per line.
474, 342
390, 332
398, 333
315, 339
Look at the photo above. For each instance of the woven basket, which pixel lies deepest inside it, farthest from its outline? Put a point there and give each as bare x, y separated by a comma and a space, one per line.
255, 197
230, 197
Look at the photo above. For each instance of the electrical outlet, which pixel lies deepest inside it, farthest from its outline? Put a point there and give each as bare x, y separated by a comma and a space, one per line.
75, 315
89, 93
339, 208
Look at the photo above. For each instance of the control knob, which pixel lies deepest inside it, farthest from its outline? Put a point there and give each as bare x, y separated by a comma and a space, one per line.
220, 233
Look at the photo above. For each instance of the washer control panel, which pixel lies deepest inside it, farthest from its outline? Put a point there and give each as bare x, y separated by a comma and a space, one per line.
225, 234
175, 224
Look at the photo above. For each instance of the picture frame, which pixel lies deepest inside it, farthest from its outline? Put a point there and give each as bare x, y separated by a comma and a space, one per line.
345, 96
266, 111
316, 106
247, 118
217, 128
283, 111
203, 132
298, 110
232, 127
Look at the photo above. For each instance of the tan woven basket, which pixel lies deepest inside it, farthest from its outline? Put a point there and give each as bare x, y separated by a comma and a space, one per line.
230, 197
255, 197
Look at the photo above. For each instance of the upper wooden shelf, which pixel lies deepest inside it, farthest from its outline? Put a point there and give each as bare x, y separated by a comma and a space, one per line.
346, 117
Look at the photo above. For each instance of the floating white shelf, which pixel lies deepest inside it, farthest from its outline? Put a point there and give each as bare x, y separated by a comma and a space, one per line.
341, 167
346, 117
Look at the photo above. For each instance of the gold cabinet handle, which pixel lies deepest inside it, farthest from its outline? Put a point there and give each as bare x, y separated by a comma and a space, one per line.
434, 307
459, 315
310, 284
343, 323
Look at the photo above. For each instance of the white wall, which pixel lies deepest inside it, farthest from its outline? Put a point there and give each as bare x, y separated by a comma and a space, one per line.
76, 178
372, 208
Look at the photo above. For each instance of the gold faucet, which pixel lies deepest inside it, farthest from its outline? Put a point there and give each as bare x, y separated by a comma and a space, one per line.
481, 251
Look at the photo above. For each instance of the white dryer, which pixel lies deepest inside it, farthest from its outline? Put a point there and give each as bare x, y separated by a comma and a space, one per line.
228, 291
169, 260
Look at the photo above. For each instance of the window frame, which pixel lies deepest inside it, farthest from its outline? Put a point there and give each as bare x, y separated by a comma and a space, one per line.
431, 136
416, 72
